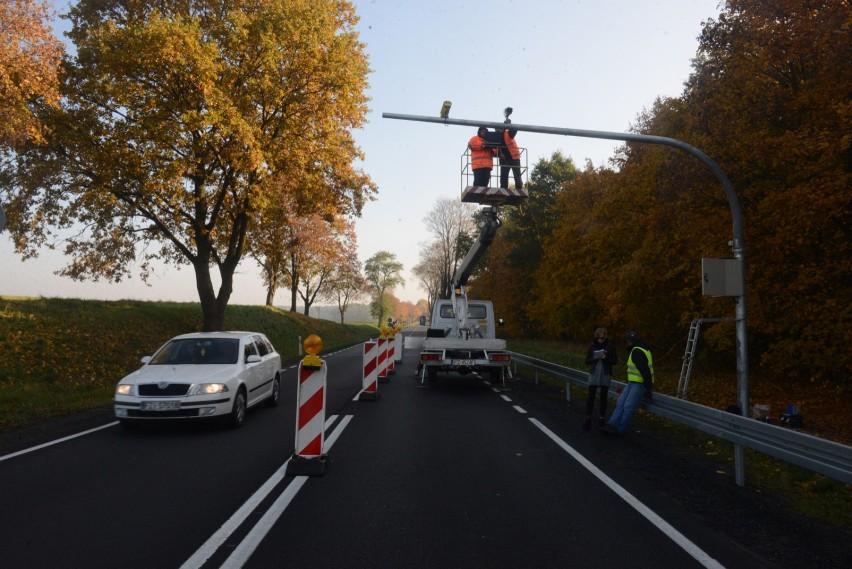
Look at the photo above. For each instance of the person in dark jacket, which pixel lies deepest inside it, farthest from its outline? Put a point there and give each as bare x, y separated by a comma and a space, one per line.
600, 356
510, 158
640, 383
481, 157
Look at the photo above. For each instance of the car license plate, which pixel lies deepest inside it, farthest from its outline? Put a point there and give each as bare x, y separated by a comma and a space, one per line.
160, 405
463, 362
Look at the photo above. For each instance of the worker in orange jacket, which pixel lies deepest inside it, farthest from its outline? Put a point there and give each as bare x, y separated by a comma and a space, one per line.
510, 158
481, 158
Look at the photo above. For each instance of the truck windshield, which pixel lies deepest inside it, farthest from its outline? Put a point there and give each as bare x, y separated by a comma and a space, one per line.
476, 311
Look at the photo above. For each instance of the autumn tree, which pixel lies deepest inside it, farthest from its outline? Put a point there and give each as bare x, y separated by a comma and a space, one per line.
383, 272
181, 123
323, 248
769, 99
507, 275
29, 59
346, 285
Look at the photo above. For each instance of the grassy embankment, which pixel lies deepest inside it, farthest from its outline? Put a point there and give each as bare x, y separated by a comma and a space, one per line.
58, 356
826, 415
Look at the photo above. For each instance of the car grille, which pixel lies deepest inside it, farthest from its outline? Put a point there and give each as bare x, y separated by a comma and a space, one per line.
170, 390
163, 414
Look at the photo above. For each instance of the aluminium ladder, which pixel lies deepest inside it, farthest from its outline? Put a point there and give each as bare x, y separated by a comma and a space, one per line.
689, 353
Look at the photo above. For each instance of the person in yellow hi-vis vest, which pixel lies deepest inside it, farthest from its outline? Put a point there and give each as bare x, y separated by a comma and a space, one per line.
640, 383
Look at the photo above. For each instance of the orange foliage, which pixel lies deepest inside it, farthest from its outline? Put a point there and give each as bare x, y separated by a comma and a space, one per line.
29, 59
768, 101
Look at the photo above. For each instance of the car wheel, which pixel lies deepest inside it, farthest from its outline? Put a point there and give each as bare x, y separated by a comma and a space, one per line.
275, 396
238, 411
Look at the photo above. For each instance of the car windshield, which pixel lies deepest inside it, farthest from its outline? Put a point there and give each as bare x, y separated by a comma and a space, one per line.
198, 351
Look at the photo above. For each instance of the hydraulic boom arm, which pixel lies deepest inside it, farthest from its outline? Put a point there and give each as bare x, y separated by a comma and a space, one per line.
486, 236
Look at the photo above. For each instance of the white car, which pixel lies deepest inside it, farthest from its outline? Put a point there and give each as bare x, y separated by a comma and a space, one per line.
201, 375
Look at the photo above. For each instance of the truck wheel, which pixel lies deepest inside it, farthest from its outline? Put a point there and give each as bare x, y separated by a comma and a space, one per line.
431, 374
495, 376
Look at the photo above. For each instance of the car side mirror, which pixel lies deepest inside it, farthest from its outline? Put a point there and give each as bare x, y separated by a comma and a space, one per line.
253, 359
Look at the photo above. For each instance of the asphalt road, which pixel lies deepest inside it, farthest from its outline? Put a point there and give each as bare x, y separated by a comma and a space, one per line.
458, 474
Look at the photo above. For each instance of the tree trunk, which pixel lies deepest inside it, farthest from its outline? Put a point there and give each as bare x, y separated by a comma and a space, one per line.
270, 296
212, 308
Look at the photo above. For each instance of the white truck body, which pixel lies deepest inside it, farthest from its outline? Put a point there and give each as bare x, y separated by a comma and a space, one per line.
461, 340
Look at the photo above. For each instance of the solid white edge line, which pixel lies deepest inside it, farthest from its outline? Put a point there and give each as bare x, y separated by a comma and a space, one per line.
248, 546
200, 557
56, 442
696, 552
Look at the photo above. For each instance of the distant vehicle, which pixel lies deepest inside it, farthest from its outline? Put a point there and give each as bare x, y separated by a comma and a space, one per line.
200, 376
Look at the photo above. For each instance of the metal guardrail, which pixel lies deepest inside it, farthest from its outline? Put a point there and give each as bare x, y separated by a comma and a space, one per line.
813, 453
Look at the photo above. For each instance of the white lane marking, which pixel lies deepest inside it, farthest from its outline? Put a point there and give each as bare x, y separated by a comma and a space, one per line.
506, 398
520, 409
56, 442
247, 547
696, 552
216, 540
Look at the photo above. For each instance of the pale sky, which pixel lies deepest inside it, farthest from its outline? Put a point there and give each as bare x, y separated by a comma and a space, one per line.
580, 64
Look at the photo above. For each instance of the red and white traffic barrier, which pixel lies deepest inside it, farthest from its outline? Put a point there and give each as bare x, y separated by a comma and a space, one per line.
370, 385
391, 357
309, 459
382, 360
398, 349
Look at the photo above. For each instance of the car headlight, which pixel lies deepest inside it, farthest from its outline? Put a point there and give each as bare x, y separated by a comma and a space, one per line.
124, 389
210, 388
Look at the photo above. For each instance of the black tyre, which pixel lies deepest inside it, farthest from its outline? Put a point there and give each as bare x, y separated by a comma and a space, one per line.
275, 396
431, 374
238, 411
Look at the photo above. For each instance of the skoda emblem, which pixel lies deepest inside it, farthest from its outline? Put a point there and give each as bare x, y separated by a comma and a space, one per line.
163, 384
